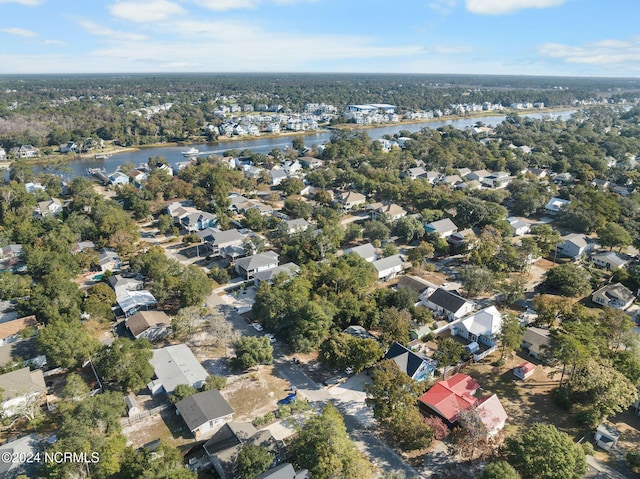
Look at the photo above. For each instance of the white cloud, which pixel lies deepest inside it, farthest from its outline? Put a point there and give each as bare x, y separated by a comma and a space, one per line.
501, 7
452, 49
103, 31
223, 5
58, 43
605, 52
145, 11
21, 32
28, 3
443, 7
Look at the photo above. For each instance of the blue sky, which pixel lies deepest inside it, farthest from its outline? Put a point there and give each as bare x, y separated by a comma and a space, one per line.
521, 37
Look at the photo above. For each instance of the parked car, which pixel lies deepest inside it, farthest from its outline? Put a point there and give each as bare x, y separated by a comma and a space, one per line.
289, 399
257, 326
272, 338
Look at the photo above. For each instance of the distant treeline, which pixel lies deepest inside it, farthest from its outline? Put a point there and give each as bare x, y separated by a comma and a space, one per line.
48, 110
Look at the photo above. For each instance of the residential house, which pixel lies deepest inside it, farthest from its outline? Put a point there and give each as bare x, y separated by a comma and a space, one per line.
448, 304
414, 365
249, 266
443, 228
252, 172
415, 283
498, 179
536, 342
224, 446
616, 296
118, 178
387, 268
33, 187
217, 240
451, 180
477, 175
284, 471
366, 251
19, 388
351, 199
311, 163
415, 173
52, 207
574, 245
524, 370
555, 205
622, 190
3, 154
204, 412
175, 365
481, 327
130, 302
153, 325
292, 167
433, 177
109, 260
10, 251
192, 219
520, 226
466, 238
10, 328
491, 414
24, 447
610, 260
563, 178
358, 332
21, 352
269, 275
121, 284
537, 173
448, 398
391, 212
69, 147
24, 151
277, 176
241, 205
297, 225
600, 183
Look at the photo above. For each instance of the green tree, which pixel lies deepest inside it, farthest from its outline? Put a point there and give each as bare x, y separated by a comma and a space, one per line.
376, 230
251, 351
614, 236
253, 220
66, 344
449, 353
395, 325
546, 238
420, 253
126, 363
291, 186
75, 388
323, 446
214, 381
568, 280
543, 452
390, 390
164, 463
341, 350
476, 280
499, 470
408, 228
182, 391
510, 333
252, 461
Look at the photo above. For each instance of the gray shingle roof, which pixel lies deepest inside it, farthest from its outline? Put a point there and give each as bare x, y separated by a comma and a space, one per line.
203, 407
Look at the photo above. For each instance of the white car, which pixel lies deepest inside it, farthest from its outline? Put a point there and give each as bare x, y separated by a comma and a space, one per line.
272, 338
257, 326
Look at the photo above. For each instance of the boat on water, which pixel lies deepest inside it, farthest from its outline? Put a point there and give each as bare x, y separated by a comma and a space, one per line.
102, 156
191, 152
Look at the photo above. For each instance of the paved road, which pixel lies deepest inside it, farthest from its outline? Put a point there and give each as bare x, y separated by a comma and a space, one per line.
349, 399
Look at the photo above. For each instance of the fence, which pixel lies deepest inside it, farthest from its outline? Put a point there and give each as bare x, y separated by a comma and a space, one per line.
128, 421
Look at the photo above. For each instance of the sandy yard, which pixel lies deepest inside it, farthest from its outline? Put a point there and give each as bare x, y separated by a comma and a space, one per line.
255, 394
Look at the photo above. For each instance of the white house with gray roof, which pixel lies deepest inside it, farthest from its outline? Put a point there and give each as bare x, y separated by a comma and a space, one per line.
249, 266
175, 365
204, 412
388, 268
366, 251
574, 245
610, 260
443, 228
616, 296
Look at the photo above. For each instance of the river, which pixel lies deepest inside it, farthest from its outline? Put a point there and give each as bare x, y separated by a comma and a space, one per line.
264, 145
